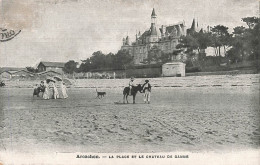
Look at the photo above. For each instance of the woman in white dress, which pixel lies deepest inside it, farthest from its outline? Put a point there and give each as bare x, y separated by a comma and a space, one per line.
64, 90
55, 92
46, 94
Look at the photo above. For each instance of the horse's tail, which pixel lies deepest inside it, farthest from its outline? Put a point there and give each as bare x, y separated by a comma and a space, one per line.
126, 90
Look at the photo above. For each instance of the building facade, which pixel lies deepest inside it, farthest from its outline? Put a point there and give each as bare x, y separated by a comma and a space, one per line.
51, 66
166, 38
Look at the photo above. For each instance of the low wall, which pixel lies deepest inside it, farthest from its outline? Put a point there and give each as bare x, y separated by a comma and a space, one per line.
144, 72
233, 72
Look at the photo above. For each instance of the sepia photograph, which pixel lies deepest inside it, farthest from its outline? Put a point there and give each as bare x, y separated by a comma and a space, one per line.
129, 82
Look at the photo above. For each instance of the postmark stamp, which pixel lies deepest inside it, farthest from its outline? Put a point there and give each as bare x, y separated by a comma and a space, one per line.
6, 34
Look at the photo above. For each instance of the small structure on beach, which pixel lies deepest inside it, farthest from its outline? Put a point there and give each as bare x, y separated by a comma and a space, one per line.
51, 66
173, 69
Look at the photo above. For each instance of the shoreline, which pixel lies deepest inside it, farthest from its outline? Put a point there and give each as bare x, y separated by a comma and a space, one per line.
240, 80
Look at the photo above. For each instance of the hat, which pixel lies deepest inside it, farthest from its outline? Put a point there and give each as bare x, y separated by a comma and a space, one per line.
146, 81
132, 78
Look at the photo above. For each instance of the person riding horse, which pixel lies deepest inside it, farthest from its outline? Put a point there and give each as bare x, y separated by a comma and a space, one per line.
131, 90
131, 85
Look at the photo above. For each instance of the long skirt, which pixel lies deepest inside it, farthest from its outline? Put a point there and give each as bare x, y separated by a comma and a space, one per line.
64, 93
56, 94
46, 94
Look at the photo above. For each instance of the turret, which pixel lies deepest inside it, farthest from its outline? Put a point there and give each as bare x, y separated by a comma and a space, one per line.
193, 25
153, 16
162, 31
184, 28
123, 41
153, 23
127, 40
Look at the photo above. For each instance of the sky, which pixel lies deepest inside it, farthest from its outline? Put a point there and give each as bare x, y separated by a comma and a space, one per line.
63, 30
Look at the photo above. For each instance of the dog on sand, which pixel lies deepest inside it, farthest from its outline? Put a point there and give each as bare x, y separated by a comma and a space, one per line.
100, 94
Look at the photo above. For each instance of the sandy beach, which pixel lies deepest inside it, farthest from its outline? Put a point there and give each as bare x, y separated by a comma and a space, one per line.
178, 119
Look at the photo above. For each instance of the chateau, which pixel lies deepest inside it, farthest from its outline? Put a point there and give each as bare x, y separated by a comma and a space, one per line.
165, 38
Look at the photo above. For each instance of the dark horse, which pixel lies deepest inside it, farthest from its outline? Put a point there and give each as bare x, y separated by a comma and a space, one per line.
135, 89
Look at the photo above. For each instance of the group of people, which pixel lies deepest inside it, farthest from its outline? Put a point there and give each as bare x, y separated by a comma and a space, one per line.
50, 90
146, 89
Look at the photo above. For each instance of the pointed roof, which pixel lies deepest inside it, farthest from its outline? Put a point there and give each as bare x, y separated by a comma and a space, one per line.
127, 40
153, 13
172, 29
193, 24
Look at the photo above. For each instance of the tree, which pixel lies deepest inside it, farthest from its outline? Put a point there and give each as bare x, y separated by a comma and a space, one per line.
245, 41
203, 40
220, 38
70, 67
85, 66
237, 52
109, 60
98, 60
251, 21
239, 31
252, 38
121, 59
189, 43
255, 42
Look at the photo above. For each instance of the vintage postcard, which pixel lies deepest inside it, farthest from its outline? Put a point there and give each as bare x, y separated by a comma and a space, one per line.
129, 82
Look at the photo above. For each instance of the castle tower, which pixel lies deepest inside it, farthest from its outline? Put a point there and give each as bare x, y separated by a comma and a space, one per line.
153, 17
184, 28
153, 23
193, 25
153, 30
127, 40
123, 41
